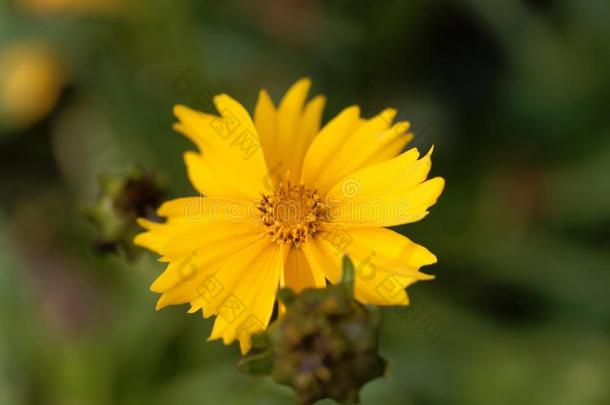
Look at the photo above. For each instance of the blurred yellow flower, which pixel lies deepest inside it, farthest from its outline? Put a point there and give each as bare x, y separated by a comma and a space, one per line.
31, 83
282, 201
60, 6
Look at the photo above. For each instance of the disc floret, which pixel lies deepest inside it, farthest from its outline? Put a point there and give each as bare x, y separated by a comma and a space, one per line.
291, 214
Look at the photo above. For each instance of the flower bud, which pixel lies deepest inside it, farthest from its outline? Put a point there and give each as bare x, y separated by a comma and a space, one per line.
324, 346
121, 200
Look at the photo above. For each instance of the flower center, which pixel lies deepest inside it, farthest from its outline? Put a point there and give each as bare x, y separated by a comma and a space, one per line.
291, 213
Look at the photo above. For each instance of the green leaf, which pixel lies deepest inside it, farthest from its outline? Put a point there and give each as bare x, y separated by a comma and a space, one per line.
347, 280
257, 365
285, 295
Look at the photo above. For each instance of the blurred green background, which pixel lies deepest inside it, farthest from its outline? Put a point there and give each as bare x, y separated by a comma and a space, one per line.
515, 96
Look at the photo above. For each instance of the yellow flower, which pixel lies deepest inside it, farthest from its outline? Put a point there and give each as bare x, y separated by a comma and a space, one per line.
282, 201
49, 7
31, 83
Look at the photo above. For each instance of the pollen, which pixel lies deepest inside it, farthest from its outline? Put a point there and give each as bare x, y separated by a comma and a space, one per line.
291, 213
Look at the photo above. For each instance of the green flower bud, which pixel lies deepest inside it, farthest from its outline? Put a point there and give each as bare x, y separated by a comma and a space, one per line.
324, 346
121, 200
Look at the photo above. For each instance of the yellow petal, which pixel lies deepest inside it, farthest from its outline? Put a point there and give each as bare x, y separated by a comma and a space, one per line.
311, 120
385, 244
194, 222
157, 234
191, 241
338, 151
195, 274
309, 127
354, 151
390, 143
328, 142
230, 163
201, 177
249, 285
323, 258
389, 193
289, 117
385, 261
215, 250
287, 131
299, 275
265, 120
197, 210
